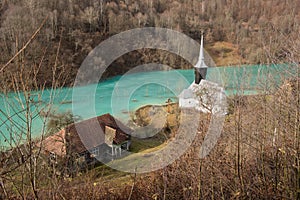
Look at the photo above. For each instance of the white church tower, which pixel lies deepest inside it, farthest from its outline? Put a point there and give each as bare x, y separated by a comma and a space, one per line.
211, 93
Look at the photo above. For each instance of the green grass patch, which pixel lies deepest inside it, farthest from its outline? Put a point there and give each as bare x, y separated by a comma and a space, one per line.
138, 144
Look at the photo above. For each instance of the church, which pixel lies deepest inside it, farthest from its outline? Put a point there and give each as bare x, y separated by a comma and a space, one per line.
203, 95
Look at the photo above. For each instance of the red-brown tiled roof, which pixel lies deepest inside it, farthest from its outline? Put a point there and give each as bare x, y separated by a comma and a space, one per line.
54, 143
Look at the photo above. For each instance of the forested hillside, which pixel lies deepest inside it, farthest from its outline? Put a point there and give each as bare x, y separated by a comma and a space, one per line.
73, 28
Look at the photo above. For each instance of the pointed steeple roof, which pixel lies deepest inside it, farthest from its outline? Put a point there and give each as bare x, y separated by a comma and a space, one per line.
201, 62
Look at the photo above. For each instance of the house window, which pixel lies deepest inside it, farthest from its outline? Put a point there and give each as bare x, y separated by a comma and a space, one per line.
95, 151
52, 157
124, 146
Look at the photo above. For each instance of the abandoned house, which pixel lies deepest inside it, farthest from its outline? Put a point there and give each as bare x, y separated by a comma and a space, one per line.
102, 137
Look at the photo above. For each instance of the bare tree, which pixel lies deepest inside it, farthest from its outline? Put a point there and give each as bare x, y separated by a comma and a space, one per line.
22, 112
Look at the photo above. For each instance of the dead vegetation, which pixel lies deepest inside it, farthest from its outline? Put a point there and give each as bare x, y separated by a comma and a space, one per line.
257, 156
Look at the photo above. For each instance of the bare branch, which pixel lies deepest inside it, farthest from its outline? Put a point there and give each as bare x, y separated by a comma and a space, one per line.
26, 45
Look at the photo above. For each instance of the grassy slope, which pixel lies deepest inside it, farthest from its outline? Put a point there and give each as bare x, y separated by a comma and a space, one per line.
224, 54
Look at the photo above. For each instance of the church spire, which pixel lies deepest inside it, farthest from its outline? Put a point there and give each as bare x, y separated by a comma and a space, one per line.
201, 62
200, 67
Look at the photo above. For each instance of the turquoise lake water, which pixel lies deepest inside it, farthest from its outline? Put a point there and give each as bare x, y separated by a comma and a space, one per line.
121, 95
